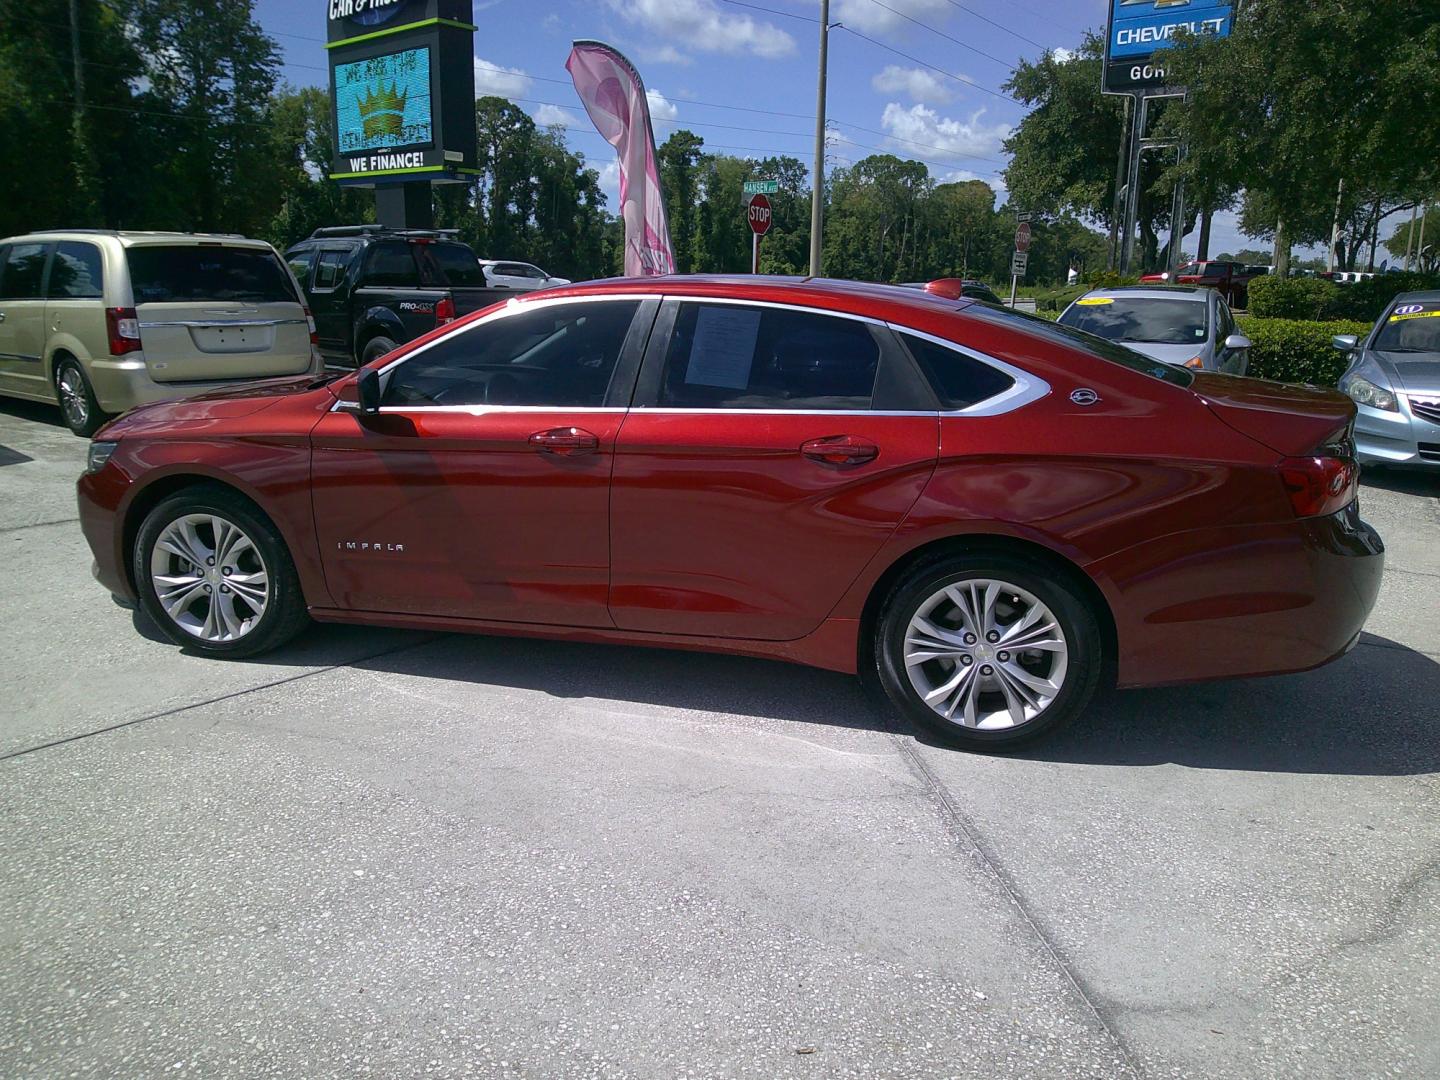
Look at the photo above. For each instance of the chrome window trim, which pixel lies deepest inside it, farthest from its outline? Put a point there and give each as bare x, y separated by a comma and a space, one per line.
1026, 389
209, 324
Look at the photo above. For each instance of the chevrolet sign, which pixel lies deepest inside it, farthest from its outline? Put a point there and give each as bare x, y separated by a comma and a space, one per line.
1140, 30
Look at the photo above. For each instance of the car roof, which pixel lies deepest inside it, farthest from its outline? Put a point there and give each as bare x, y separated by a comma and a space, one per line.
1424, 296
855, 297
132, 238
1155, 292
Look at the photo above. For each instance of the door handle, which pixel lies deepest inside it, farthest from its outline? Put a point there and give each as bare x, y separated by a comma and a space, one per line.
2, 316
840, 450
565, 441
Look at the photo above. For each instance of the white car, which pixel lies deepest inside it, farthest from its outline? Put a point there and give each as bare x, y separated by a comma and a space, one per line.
517, 275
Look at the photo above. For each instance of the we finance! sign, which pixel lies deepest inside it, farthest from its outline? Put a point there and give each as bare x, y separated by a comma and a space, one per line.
1140, 31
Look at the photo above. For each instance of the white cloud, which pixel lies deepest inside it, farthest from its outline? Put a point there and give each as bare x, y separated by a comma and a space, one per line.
922, 132
550, 115
1063, 56
610, 183
870, 18
491, 78
661, 108
704, 26
664, 54
960, 176
917, 83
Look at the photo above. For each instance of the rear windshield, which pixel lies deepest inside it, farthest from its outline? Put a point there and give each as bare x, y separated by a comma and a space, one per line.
1411, 328
1150, 320
1085, 342
450, 264
165, 274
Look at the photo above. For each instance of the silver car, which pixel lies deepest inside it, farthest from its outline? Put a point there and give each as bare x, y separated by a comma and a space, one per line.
1185, 325
1394, 379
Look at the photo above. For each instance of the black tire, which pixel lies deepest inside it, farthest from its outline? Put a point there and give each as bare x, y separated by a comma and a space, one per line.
375, 348
284, 613
1066, 602
76, 398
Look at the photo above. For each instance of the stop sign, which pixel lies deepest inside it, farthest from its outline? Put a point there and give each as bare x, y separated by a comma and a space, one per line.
759, 215
1022, 236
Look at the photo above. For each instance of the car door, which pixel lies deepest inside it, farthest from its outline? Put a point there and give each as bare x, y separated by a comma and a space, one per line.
770, 452
481, 488
22, 319
330, 288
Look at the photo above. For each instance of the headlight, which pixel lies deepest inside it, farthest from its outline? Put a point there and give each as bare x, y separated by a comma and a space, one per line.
99, 454
1365, 392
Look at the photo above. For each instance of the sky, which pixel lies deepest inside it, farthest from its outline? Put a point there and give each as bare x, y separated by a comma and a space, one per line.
915, 78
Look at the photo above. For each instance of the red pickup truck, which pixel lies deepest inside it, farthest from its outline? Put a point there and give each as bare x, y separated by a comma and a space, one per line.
1232, 279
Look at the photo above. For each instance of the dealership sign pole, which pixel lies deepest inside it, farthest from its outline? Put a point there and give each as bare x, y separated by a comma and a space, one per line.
1135, 67
402, 91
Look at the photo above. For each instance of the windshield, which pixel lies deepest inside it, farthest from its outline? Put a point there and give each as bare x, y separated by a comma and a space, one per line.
1411, 328
162, 275
1086, 342
1153, 321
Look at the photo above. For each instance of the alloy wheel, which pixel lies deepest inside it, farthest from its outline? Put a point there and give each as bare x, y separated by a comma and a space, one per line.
73, 398
209, 577
986, 654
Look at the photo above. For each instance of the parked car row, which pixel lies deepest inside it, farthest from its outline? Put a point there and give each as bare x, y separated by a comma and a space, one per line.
98, 321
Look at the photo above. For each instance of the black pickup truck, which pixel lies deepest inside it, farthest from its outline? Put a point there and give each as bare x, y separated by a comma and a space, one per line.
371, 288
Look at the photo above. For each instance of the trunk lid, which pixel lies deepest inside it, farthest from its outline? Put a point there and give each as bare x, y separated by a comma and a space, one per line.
1293, 420
215, 311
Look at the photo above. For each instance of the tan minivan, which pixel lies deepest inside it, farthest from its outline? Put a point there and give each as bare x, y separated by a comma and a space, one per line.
100, 321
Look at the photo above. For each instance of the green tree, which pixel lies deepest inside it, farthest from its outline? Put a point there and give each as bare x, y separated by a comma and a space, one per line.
679, 159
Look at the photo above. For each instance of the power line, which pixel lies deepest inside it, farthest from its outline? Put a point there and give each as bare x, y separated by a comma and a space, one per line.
998, 26
939, 33
926, 64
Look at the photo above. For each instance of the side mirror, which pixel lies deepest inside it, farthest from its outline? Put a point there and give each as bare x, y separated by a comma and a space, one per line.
368, 387
1237, 342
1345, 342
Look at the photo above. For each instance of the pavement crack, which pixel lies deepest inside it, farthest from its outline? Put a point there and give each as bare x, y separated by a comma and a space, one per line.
216, 700
964, 830
38, 525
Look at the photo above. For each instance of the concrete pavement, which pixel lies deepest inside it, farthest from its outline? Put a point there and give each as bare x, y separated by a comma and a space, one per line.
393, 854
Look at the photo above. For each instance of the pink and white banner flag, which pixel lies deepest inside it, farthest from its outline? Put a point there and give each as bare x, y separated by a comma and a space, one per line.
613, 95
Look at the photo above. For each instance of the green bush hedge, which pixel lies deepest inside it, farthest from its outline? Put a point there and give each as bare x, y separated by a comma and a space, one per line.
1318, 299
1299, 351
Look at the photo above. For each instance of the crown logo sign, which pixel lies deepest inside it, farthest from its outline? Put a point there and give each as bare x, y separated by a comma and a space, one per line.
382, 112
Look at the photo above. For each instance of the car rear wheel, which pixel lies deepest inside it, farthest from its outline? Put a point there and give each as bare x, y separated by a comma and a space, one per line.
77, 399
376, 348
988, 651
214, 574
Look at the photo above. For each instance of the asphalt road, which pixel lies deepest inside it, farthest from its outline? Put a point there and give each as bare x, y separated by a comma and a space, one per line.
391, 854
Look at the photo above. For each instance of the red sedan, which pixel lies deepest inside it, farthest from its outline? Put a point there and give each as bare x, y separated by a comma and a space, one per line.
1230, 279
990, 513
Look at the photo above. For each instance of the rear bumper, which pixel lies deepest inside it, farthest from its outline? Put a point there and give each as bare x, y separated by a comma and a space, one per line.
1396, 438
121, 383
1244, 601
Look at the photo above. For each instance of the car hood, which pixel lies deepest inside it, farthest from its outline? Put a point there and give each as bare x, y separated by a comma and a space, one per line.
1295, 420
1168, 354
1416, 373
227, 403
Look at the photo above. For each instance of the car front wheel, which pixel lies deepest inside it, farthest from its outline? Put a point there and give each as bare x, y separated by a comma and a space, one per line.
214, 574
988, 651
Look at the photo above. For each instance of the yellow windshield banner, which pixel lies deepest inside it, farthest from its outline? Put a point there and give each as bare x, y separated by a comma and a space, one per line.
1402, 314
1095, 301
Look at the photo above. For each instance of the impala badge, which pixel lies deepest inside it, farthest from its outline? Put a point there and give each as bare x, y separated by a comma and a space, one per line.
1084, 396
369, 545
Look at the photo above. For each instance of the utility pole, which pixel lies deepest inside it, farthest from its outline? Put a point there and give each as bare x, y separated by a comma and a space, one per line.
1335, 225
84, 174
817, 194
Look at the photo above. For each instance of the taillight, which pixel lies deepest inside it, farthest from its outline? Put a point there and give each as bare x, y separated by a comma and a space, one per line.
444, 311
310, 323
123, 327
1319, 485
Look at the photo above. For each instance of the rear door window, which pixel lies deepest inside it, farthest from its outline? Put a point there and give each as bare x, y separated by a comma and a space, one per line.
24, 272
450, 265
741, 357
76, 273
162, 275
391, 264
330, 267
